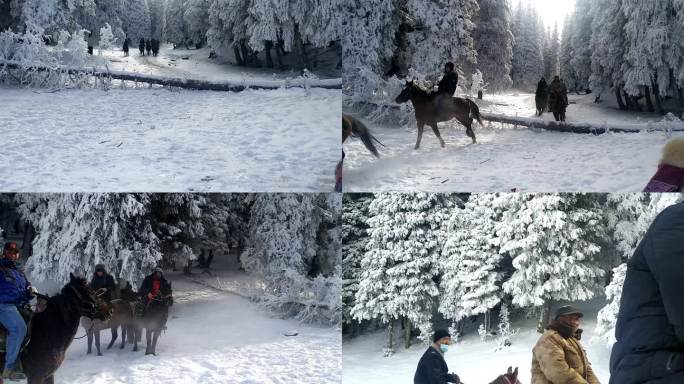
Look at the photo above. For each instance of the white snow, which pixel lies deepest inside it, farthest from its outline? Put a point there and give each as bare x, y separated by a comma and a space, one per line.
508, 158
476, 362
214, 337
159, 140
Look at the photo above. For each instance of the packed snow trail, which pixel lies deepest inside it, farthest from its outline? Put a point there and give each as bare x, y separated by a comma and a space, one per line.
156, 140
213, 338
476, 362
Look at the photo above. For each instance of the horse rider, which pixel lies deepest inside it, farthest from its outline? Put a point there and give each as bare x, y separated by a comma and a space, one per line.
446, 88
541, 96
558, 356
141, 46
558, 98
102, 280
155, 286
15, 291
432, 368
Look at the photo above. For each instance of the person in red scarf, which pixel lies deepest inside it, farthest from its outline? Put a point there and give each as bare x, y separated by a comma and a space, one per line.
155, 286
670, 174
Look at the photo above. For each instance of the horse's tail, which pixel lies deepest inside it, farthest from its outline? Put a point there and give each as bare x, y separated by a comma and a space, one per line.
358, 129
475, 112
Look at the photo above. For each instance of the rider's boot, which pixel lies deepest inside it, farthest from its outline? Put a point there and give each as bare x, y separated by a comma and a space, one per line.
13, 375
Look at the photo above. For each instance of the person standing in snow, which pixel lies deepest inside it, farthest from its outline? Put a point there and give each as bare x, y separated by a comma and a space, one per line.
670, 174
558, 98
141, 46
558, 357
148, 46
432, 368
650, 322
15, 291
102, 280
125, 46
446, 88
155, 286
541, 96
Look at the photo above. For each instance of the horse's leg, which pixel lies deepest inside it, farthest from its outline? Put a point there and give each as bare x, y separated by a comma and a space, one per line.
470, 132
154, 341
115, 335
420, 134
89, 332
124, 330
136, 337
148, 338
97, 342
436, 131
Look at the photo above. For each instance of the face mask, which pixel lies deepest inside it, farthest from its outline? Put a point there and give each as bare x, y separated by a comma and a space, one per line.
443, 347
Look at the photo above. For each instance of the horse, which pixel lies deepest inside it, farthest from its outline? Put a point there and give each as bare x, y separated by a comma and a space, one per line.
510, 377
153, 319
427, 113
122, 316
53, 329
353, 127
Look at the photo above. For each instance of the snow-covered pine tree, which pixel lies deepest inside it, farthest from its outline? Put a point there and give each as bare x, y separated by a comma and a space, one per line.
443, 33
106, 38
175, 27
607, 48
628, 217
580, 42
77, 231
401, 260
493, 42
471, 277
527, 62
227, 28
551, 47
195, 17
567, 73
553, 240
506, 332
137, 21
354, 239
157, 20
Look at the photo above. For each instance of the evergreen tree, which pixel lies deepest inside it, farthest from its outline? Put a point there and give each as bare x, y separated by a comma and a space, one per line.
493, 41
580, 43
354, 239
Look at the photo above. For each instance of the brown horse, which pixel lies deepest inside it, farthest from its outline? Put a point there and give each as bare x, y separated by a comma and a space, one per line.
510, 377
427, 112
152, 317
122, 316
53, 329
353, 127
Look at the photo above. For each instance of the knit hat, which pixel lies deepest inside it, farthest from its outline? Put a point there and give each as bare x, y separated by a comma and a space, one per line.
567, 310
439, 334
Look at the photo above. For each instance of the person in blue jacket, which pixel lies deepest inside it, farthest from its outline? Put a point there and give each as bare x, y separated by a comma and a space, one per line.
15, 290
650, 323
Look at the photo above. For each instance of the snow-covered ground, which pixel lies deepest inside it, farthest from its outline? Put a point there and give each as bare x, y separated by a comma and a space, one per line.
506, 158
160, 140
214, 337
476, 362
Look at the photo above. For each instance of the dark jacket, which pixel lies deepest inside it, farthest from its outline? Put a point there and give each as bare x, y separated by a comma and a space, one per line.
650, 324
432, 369
558, 96
146, 286
14, 287
448, 83
107, 282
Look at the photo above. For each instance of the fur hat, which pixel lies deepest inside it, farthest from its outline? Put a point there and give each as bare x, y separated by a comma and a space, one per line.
670, 174
673, 153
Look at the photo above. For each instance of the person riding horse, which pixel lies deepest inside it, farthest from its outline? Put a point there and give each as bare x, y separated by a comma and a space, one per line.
15, 291
155, 287
446, 88
558, 98
103, 281
541, 96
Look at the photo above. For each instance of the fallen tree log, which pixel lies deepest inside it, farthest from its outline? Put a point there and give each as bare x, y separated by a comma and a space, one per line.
595, 129
202, 85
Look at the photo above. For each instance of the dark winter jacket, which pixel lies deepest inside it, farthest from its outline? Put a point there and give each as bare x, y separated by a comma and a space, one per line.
558, 96
146, 286
106, 281
448, 83
14, 287
650, 324
432, 369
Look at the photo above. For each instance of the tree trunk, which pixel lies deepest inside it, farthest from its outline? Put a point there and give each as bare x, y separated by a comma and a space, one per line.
544, 316
27, 241
680, 93
479, 95
269, 59
618, 97
656, 95
407, 333
238, 56
390, 329
649, 103
595, 129
245, 54
279, 54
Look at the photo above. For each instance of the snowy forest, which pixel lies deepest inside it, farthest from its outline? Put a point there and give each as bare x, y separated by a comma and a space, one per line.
290, 241
425, 261
629, 50
248, 32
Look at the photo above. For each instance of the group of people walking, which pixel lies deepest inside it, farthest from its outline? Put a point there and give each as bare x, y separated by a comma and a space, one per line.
649, 330
149, 46
553, 97
16, 292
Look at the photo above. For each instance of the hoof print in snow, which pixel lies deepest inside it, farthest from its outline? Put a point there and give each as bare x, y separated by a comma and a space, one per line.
290, 334
207, 179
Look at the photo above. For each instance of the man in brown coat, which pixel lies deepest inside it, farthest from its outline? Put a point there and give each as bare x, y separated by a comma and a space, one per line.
558, 356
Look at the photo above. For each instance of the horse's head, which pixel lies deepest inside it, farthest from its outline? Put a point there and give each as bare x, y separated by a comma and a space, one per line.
510, 377
406, 93
86, 300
